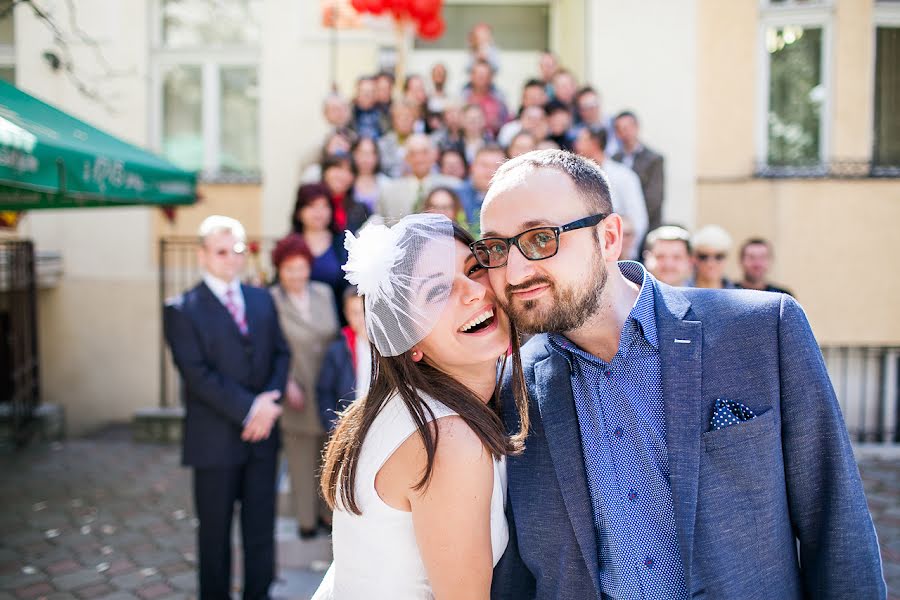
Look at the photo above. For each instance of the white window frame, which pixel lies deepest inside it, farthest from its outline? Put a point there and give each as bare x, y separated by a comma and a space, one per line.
211, 61
818, 16
885, 14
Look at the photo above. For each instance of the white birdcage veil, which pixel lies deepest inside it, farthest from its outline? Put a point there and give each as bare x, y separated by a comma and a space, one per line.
405, 273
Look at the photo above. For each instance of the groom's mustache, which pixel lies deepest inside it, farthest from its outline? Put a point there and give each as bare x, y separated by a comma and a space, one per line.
511, 289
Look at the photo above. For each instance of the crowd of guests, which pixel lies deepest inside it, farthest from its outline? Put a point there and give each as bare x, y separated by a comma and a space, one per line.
385, 151
425, 150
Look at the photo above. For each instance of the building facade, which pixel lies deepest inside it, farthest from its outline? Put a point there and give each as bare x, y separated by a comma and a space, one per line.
777, 118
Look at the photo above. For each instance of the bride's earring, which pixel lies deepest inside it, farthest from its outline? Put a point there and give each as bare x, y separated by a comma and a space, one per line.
416, 355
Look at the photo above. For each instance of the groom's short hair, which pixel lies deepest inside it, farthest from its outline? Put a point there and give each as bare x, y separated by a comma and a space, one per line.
590, 181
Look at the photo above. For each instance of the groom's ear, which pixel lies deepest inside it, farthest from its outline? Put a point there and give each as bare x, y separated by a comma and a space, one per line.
610, 234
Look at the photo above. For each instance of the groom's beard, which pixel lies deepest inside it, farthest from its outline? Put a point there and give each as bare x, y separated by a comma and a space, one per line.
566, 310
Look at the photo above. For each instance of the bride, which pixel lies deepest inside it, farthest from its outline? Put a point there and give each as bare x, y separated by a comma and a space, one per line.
415, 471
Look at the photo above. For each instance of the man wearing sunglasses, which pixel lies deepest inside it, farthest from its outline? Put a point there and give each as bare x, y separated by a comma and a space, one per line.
227, 344
684, 443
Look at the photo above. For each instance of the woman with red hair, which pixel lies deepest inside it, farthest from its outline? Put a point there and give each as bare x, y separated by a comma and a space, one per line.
313, 218
309, 322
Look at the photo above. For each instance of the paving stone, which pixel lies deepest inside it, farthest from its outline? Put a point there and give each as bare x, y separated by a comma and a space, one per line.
184, 581
62, 567
95, 591
34, 590
133, 580
77, 579
20, 579
154, 591
120, 566
119, 596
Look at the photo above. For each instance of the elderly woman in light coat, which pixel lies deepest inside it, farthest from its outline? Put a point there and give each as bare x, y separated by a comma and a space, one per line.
309, 321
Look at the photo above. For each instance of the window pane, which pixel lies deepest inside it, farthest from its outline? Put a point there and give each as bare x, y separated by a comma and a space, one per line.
7, 32
515, 27
239, 144
183, 116
887, 97
796, 95
210, 22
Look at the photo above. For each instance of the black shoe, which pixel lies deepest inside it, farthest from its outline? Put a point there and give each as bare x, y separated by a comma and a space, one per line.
326, 527
306, 534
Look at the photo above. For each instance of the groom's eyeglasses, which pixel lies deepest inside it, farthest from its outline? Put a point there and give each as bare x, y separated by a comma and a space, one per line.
534, 244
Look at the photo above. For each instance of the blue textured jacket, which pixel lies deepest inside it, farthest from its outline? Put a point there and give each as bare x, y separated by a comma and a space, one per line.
771, 508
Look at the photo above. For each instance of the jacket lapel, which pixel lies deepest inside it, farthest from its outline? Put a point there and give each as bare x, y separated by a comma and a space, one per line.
560, 421
680, 347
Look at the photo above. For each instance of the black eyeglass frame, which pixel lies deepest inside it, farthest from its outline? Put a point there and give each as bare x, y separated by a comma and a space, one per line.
556, 229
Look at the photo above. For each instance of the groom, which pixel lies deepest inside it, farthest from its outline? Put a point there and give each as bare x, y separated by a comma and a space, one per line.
685, 443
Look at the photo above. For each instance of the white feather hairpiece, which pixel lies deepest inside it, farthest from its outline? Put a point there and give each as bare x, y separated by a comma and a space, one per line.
370, 258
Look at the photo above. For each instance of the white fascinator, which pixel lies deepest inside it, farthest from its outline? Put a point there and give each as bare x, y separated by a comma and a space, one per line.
405, 273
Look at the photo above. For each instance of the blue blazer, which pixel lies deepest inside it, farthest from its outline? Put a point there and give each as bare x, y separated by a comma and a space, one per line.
771, 508
336, 385
223, 372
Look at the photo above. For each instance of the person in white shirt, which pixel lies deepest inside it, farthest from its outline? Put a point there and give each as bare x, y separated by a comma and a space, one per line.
625, 185
406, 195
416, 470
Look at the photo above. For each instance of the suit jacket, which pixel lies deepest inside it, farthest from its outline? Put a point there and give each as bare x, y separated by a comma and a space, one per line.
307, 337
336, 385
400, 195
649, 167
746, 497
223, 371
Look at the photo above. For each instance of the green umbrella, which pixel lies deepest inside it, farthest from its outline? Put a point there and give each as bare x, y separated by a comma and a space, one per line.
49, 159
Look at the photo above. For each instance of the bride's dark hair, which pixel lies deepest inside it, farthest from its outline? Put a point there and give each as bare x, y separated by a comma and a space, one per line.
401, 375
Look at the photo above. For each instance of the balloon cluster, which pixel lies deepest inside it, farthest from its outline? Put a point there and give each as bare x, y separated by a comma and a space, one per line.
426, 14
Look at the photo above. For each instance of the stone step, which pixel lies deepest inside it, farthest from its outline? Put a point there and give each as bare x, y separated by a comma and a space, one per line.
49, 425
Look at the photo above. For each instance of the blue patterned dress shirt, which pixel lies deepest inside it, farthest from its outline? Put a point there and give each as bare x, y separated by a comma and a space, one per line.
622, 420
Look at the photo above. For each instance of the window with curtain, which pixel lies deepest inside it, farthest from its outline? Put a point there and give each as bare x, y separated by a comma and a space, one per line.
207, 69
886, 151
796, 96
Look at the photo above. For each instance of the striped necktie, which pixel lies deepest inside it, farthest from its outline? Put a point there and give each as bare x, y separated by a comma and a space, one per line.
236, 311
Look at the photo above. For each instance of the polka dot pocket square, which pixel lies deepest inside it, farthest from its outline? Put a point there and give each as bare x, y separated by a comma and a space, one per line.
728, 413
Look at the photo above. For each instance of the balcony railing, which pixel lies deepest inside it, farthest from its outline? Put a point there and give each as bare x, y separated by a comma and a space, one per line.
867, 382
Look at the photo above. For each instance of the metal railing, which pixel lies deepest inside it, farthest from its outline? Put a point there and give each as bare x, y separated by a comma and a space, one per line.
20, 392
866, 380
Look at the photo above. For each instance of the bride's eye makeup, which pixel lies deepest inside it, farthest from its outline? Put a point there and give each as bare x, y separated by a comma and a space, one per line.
436, 293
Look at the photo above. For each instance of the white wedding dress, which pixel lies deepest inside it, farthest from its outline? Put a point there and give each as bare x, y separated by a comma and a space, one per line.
375, 554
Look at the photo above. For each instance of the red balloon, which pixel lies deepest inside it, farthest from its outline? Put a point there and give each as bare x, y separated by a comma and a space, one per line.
424, 10
399, 8
359, 6
432, 29
376, 7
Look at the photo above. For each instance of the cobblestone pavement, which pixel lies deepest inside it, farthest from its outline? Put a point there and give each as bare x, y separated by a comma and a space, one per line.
109, 518
113, 519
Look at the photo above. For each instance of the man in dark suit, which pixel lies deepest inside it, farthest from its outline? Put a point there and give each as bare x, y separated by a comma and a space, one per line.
642, 160
684, 443
228, 346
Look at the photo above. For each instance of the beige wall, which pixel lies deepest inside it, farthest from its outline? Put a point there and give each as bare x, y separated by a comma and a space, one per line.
854, 60
99, 349
834, 239
644, 57
726, 86
239, 201
835, 247
99, 328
